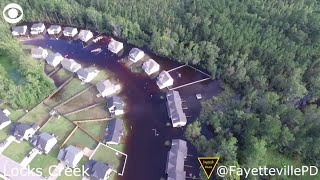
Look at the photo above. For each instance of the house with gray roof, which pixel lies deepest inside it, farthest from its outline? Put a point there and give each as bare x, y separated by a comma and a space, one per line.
135, 55
106, 88
150, 66
4, 120
114, 131
85, 35
175, 160
19, 31
70, 65
115, 46
54, 59
164, 80
37, 28
70, 31
54, 29
39, 53
44, 142
23, 131
115, 105
175, 110
71, 156
98, 170
87, 75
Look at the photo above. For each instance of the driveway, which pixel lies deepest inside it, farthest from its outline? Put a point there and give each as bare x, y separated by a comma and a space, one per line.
27, 160
57, 171
10, 139
7, 166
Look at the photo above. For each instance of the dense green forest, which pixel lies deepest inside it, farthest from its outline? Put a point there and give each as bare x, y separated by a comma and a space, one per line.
33, 85
266, 53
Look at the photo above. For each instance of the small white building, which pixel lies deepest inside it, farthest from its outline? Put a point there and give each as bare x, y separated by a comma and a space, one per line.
115, 105
115, 46
87, 75
4, 119
71, 156
164, 80
22, 131
54, 29
70, 65
70, 31
20, 31
54, 59
39, 53
150, 66
44, 142
175, 109
37, 28
107, 88
135, 55
85, 35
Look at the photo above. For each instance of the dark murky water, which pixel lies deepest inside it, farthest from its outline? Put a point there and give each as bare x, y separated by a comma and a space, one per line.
147, 153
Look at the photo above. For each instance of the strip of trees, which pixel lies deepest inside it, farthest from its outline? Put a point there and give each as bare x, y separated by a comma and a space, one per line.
265, 51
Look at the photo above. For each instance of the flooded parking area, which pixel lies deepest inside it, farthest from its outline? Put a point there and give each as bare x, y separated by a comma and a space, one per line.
147, 113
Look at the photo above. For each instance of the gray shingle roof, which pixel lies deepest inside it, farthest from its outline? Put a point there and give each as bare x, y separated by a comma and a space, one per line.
41, 141
3, 117
115, 101
69, 154
18, 130
174, 105
97, 170
37, 25
175, 160
114, 131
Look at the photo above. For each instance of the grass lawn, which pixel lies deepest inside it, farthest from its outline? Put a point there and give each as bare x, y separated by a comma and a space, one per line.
4, 133
15, 114
45, 161
60, 127
95, 129
84, 100
71, 89
102, 75
65, 177
81, 139
37, 115
98, 112
108, 156
18, 151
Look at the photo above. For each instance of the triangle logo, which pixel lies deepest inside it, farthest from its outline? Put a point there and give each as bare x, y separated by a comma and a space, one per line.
208, 164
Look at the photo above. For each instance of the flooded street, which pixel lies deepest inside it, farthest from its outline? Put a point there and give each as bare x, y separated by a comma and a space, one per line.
147, 153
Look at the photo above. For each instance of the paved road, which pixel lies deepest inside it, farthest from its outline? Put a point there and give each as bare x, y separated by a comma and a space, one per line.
27, 160
60, 167
9, 168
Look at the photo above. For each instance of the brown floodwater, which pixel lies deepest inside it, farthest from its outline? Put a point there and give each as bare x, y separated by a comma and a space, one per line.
147, 153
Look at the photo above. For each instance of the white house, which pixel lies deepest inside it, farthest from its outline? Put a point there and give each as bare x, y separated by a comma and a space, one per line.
135, 55
4, 119
150, 66
98, 170
70, 65
20, 31
85, 35
115, 105
71, 156
175, 110
44, 142
39, 53
164, 80
115, 46
106, 88
87, 75
54, 29
54, 59
23, 131
70, 31
37, 28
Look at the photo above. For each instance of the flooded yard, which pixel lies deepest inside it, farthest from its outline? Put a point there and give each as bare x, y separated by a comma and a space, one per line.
146, 104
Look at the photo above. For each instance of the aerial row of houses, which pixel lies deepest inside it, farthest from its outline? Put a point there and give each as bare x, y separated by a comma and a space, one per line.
71, 155
175, 160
